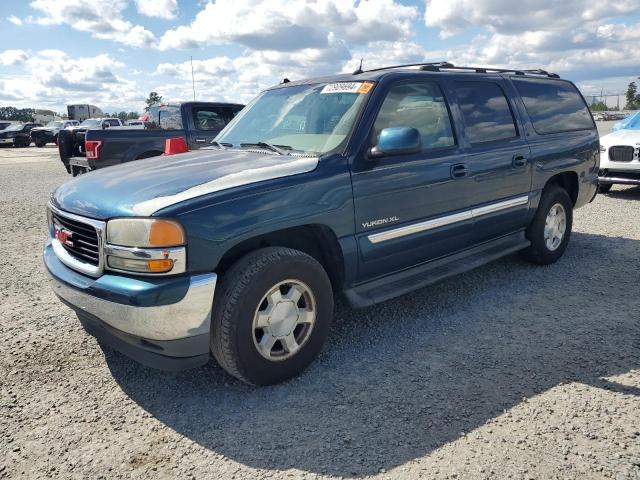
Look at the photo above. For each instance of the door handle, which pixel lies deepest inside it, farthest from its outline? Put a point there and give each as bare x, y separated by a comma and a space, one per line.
519, 160
459, 171
201, 140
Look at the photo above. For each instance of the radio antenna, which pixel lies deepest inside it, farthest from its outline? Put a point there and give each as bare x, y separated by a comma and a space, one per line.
193, 81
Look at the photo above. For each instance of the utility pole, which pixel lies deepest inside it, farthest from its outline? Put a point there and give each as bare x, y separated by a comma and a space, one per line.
193, 81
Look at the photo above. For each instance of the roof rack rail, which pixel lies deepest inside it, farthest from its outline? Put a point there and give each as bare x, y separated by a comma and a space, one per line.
439, 66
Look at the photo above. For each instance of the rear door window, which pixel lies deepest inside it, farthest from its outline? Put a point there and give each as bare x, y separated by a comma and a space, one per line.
419, 105
209, 118
486, 112
554, 106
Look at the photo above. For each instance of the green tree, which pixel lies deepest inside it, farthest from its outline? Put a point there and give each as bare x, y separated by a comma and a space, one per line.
17, 114
633, 99
599, 106
154, 98
132, 115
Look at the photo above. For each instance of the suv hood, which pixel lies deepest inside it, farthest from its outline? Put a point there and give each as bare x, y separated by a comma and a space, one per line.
143, 187
621, 137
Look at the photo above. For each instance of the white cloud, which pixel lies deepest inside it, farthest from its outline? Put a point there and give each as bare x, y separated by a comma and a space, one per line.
166, 9
289, 25
103, 19
506, 17
51, 78
13, 57
570, 37
15, 20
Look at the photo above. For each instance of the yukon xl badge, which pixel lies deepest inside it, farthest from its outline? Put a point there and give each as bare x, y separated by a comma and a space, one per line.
380, 221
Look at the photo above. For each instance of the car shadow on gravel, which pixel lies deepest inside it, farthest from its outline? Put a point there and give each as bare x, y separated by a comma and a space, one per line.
403, 378
625, 193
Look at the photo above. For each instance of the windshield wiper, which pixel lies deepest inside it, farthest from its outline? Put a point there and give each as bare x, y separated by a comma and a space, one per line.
279, 149
221, 146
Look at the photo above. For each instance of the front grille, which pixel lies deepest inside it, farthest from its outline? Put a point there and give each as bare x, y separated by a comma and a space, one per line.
83, 244
621, 154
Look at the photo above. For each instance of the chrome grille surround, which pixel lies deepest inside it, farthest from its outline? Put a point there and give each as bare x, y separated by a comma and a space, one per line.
69, 257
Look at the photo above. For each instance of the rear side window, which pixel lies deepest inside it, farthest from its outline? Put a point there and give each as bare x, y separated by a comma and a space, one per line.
170, 117
420, 106
553, 105
209, 118
486, 112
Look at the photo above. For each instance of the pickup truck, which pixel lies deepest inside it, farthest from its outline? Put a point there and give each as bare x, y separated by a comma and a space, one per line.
197, 122
18, 134
367, 185
49, 133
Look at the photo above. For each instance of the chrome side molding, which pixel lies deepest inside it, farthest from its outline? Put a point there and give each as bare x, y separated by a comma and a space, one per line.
447, 220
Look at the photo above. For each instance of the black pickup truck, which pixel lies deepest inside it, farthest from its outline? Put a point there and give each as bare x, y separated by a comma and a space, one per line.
197, 122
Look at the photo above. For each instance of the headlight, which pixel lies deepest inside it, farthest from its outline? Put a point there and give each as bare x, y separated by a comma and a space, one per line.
146, 246
145, 232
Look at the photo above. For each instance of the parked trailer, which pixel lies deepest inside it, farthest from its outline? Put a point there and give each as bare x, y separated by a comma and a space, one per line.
81, 112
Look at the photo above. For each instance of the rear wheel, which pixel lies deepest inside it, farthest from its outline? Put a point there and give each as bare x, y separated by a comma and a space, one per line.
605, 187
40, 144
550, 230
271, 315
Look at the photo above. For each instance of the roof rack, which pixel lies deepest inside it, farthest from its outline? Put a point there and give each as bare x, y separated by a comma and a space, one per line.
440, 66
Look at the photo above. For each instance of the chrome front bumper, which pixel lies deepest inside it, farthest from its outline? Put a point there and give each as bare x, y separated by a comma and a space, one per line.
188, 317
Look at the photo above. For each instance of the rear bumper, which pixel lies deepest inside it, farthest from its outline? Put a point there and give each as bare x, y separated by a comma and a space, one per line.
81, 162
162, 323
623, 177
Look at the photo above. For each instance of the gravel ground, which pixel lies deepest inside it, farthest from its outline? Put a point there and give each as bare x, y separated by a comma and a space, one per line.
509, 371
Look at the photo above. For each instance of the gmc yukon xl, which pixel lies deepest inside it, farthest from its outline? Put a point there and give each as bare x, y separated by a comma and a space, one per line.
368, 185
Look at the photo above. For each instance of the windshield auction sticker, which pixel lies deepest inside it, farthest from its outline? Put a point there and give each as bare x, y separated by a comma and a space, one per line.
348, 87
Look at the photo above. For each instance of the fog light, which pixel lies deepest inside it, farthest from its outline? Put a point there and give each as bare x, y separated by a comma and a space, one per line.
142, 266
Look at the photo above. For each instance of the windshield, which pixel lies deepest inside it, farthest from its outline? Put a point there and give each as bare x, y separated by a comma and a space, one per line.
312, 119
13, 128
90, 123
54, 124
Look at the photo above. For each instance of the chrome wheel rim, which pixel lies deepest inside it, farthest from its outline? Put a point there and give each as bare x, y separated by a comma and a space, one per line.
555, 227
284, 319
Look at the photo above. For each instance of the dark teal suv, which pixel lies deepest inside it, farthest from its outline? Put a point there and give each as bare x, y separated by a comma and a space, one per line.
367, 185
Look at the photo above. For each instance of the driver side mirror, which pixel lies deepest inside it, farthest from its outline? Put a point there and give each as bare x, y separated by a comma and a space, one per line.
397, 141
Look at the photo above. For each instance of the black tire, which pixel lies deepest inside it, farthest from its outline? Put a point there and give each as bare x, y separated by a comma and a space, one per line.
538, 252
17, 142
605, 187
40, 144
239, 295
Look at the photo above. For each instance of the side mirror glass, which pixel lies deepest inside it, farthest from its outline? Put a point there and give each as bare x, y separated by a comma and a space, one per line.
397, 141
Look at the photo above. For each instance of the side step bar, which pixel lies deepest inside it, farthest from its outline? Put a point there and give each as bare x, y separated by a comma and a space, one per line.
405, 281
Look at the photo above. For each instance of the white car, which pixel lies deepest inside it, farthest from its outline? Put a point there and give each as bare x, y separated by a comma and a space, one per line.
619, 159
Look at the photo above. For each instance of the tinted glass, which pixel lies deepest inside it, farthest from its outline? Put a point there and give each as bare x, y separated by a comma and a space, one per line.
113, 123
420, 106
553, 105
207, 118
486, 112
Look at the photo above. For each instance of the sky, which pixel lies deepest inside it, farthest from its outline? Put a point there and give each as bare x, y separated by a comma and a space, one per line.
112, 53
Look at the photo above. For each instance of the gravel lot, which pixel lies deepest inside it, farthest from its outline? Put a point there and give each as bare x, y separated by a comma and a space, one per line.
509, 371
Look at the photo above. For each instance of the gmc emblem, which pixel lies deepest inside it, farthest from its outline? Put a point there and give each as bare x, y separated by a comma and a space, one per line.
63, 236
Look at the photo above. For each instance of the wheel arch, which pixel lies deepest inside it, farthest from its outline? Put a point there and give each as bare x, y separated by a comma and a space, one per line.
317, 240
568, 181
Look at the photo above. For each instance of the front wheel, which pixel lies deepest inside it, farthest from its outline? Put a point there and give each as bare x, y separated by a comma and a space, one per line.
271, 315
550, 230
